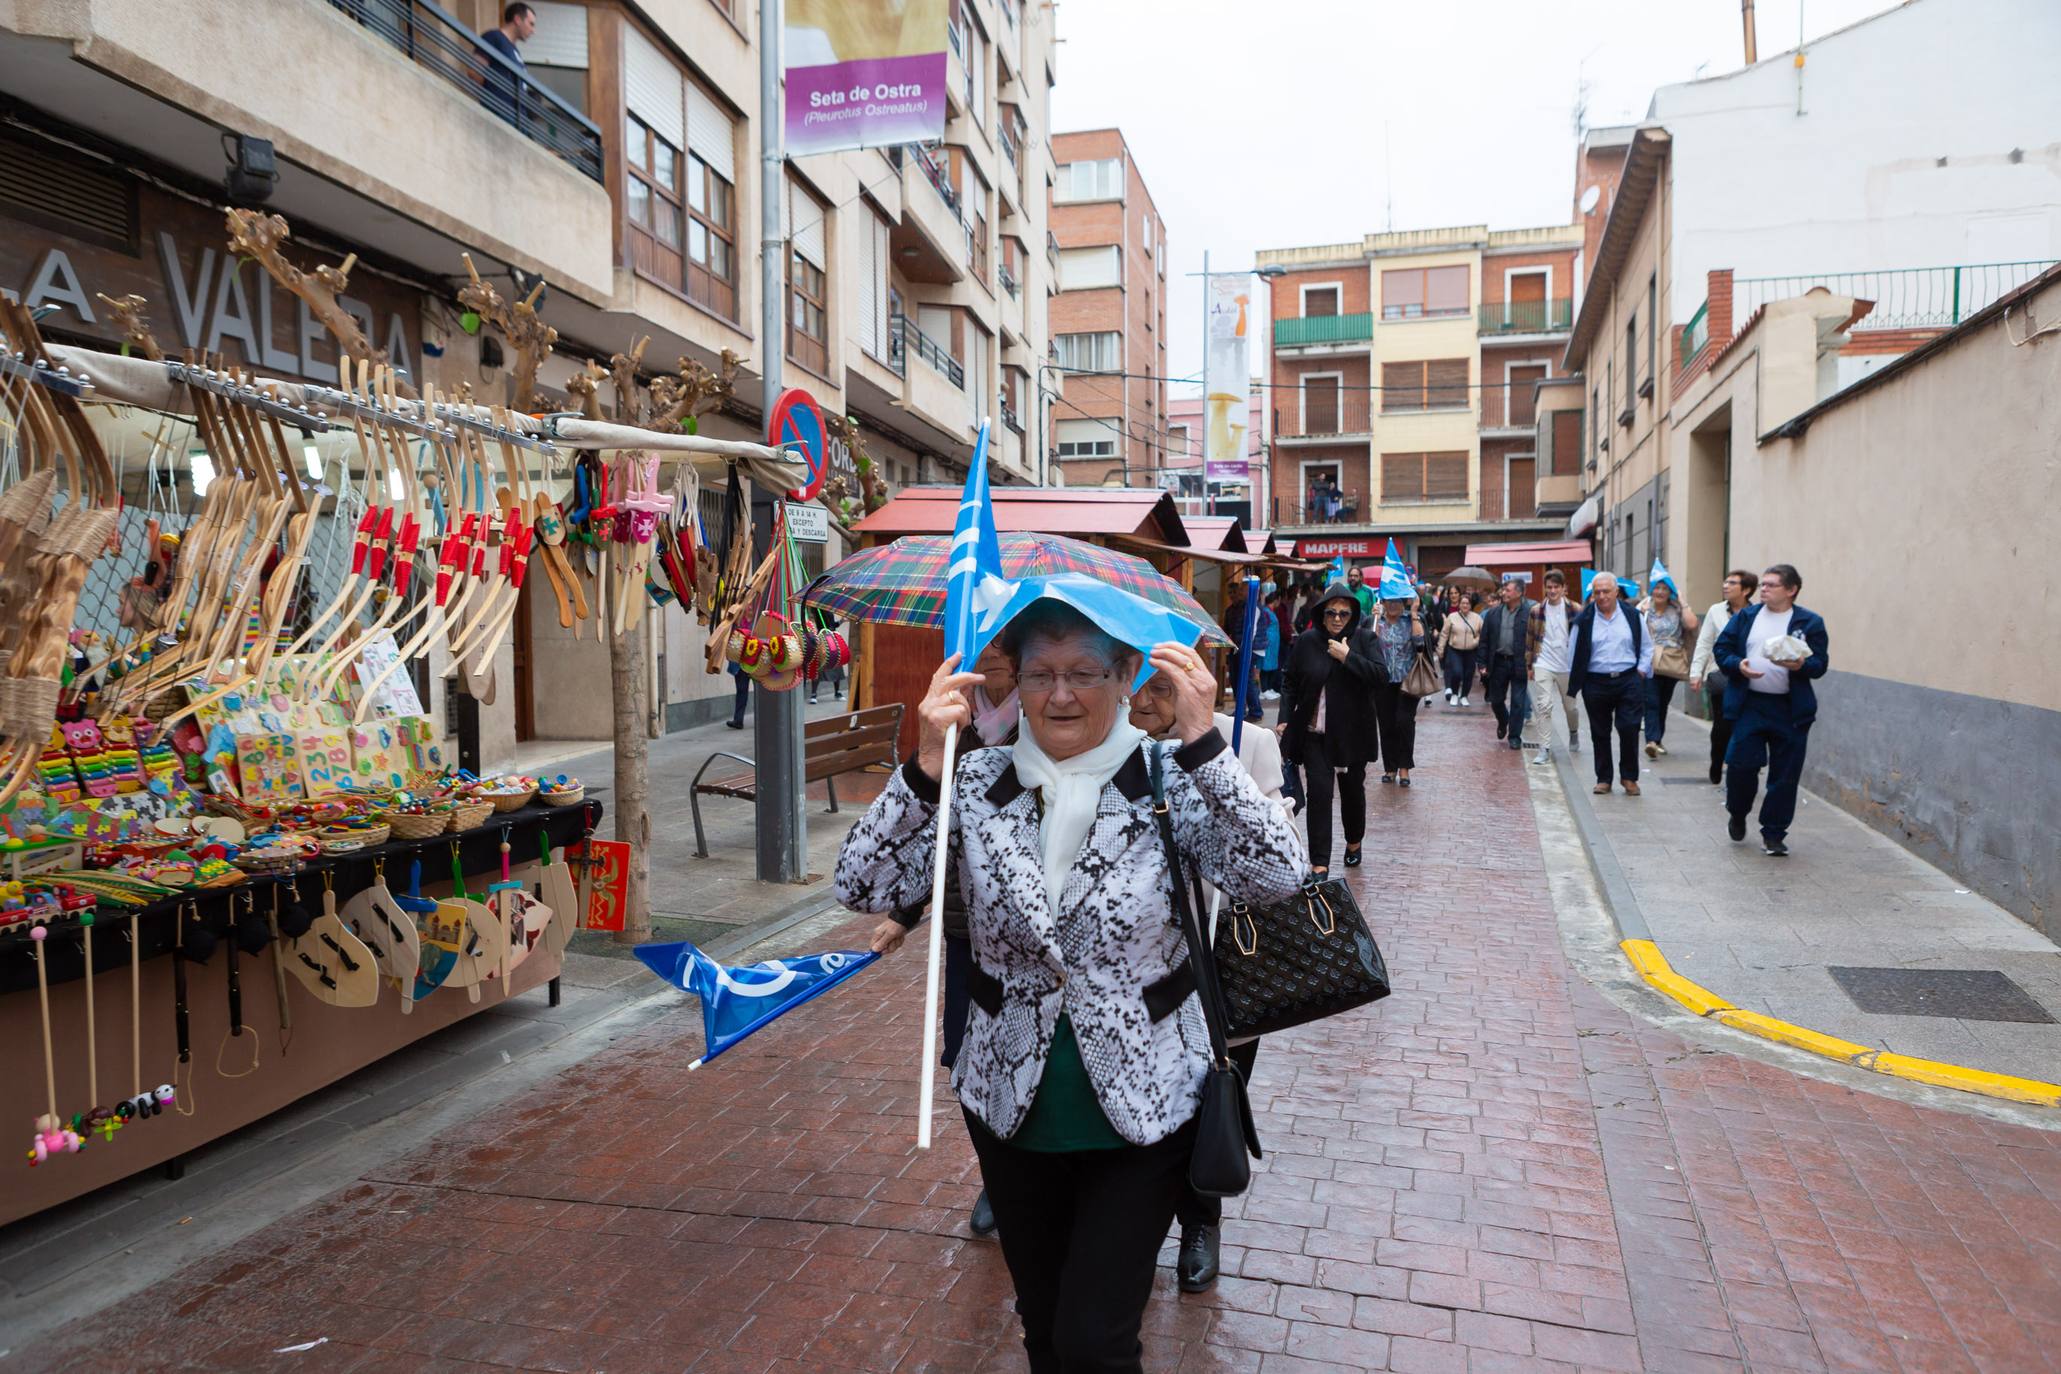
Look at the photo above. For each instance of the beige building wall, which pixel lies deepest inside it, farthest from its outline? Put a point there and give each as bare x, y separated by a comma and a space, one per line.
1919, 507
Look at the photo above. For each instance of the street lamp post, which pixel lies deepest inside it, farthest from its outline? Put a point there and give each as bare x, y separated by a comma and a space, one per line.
1267, 274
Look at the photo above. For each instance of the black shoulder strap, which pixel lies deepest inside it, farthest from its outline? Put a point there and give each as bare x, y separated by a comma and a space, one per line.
1200, 957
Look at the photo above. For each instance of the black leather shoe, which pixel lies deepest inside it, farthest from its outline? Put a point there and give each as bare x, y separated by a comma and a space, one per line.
1736, 827
1503, 729
1352, 858
983, 1222
1774, 849
1197, 1266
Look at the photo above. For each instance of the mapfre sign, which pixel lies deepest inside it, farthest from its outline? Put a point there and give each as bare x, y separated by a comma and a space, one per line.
1363, 547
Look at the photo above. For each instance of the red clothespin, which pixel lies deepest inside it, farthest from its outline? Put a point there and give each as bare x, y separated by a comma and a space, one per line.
524, 536
404, 559
382, 539
363, 540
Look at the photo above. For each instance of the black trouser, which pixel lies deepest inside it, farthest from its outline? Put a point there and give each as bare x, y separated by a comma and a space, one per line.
1320, 776
958, 994
1720, 725
1459, 668
1620, 699
1395, 720
1509, 693
1660, 694
1195, 1209
743, 697
1081, 1233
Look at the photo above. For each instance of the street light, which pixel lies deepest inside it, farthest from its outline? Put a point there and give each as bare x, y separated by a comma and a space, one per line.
1268, 274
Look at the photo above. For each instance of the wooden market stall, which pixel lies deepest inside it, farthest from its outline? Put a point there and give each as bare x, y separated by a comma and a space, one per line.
1533, 559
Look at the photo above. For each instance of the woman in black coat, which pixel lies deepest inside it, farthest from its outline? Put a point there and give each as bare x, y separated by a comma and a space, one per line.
1327, 723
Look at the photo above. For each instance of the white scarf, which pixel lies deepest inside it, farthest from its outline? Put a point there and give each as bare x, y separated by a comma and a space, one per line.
1072, 791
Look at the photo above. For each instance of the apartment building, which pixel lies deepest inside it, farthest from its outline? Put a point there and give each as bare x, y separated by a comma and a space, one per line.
1858, 168
619, 168
1109, 318
1405, 373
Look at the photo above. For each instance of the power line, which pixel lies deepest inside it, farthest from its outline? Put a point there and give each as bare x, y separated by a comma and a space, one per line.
1157, 438
1296, 386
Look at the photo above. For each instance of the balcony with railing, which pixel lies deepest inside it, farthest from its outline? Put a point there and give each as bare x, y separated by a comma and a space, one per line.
933, 163
1008, 280
1905, 298
1509, 407
1317, 331
1325, 414
1527, 317
432, 38
905, 334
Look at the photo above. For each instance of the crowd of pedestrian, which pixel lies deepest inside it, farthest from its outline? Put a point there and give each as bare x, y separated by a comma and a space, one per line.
1075, 1045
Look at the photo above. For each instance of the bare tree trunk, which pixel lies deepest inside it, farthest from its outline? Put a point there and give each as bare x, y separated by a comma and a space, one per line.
626, 681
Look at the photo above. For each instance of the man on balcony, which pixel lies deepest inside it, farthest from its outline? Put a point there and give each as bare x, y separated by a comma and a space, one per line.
518, 22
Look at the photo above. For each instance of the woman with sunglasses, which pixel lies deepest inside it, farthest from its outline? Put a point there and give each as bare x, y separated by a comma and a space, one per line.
1327, 723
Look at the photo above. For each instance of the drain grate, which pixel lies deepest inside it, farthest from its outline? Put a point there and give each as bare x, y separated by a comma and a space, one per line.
1964, 994
1685, 782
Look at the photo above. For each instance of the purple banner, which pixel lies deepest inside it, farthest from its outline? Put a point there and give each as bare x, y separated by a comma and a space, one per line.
871, 103
1227, 471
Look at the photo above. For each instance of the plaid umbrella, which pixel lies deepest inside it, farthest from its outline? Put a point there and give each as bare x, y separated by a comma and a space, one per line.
903, 583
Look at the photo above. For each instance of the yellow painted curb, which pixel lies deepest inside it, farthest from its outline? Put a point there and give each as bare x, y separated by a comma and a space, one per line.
1652, 966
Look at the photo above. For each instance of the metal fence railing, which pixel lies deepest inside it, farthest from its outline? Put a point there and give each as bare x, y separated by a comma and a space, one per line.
905, 333
1905, 298
1306, 330
432, 37
1527, 317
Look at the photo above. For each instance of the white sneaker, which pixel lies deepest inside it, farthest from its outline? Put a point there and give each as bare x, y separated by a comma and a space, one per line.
1449, 698
1542, 757
1270, 696
1465, 702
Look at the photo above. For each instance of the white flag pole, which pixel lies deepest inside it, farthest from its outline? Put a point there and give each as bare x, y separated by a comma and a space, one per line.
926, 1071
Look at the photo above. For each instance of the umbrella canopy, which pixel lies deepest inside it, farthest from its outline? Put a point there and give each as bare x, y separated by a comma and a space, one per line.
903, 583
1469, 576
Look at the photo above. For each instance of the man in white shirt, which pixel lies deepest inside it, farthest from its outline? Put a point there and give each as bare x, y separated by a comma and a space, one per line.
1771, 702
1552, 643
1612, 658
1739, 586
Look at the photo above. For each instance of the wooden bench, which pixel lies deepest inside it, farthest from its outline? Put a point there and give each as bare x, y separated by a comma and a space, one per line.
834, 745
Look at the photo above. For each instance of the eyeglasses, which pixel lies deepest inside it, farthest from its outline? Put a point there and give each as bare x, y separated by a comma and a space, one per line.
1079, 680
1341, 613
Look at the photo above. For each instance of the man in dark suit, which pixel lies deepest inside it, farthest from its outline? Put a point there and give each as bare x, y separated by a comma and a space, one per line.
1771, 704
1612, 657
1505, 649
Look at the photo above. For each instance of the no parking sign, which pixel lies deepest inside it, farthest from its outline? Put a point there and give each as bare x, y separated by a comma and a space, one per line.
796, 423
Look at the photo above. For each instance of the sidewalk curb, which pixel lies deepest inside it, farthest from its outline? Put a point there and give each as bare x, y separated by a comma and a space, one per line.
1636, 943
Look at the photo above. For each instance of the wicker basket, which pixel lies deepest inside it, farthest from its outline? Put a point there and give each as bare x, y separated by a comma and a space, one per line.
509, 801
345, 839
571, 796
470, 815
407, 825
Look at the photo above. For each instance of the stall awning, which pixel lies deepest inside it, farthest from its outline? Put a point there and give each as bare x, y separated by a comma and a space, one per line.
1525, 555
1078, 512
1154, 546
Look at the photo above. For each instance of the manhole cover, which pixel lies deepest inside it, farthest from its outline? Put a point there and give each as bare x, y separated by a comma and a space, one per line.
1965, 994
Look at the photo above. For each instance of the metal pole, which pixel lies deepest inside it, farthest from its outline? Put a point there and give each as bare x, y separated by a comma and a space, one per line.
783, 841
1209, 493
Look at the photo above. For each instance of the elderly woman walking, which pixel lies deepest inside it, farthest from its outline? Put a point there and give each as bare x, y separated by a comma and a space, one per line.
1086, 1049
1390, 644
1327, 723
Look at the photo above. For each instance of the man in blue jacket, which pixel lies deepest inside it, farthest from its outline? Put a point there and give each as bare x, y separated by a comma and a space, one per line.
1770, 703
1612, 658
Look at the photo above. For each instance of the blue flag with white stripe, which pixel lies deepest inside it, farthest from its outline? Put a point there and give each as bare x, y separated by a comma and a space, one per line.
1395, 578
975, 589
1124, 616
737, 1001
1658, 574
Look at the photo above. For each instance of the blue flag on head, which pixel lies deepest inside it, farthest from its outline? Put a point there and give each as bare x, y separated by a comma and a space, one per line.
1124, 616
1626, 587
737, 1001
974, 586
1395, 579
1659, 574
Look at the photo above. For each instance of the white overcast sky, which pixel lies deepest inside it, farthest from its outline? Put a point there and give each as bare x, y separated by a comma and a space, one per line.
1267, 125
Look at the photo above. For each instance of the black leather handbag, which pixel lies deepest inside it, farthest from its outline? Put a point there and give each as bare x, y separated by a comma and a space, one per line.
1298, 960
1225, 1135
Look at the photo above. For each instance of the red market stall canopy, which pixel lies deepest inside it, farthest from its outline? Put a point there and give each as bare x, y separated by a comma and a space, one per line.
1568, 555
1079, 512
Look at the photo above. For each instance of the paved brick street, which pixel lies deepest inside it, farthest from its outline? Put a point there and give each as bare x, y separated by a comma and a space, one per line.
1496, 1168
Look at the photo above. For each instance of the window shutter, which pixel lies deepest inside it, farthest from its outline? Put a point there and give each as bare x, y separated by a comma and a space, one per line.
1445, 476
651, 87
1402, 476
1445, 382
805, 222
1445, 290
561, 36
877, 275
1567, 443
711, 133
1402, 386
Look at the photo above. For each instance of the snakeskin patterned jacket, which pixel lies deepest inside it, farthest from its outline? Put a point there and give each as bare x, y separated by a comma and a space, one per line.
1115, 960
